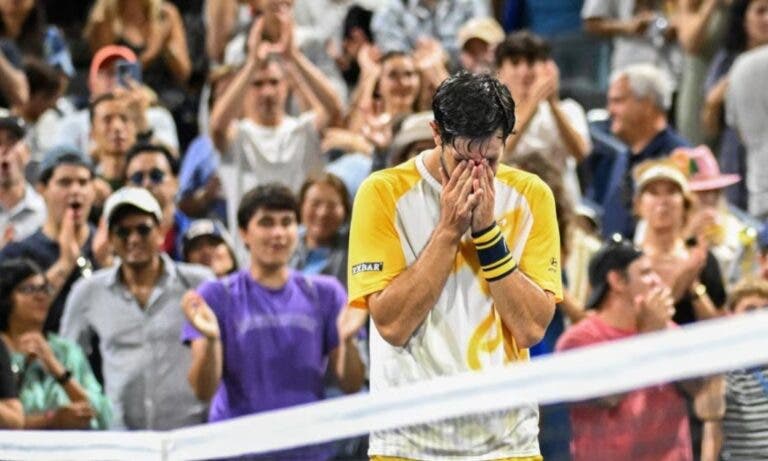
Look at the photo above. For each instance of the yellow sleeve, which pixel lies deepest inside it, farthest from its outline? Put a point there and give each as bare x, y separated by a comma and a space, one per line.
375, 252
541, 255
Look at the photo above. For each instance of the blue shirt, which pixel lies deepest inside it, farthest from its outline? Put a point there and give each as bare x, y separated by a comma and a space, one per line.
201, 161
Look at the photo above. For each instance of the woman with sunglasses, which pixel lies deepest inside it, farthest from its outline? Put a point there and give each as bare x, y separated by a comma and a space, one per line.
56, 385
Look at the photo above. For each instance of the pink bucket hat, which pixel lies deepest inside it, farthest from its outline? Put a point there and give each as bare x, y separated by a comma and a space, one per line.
705, 172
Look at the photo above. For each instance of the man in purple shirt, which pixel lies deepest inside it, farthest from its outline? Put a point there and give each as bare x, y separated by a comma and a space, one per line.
261, 337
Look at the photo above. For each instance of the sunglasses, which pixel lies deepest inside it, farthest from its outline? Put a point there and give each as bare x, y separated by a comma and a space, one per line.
35, 288
156, 176
124, 232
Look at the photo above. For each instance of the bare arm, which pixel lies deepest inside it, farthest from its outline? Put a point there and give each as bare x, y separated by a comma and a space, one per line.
205, 372
98, 30
11, 414
329, 108
575, 143
525, 308
176, 51
399, 309
13, 83
220, 21
347, 366
693, 17
712, 112
608, 27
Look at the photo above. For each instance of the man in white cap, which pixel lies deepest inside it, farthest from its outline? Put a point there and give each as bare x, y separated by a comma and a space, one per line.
135, 309
477, 42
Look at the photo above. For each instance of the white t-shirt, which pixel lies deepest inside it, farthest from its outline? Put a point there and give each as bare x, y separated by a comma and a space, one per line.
543, 136
257, 155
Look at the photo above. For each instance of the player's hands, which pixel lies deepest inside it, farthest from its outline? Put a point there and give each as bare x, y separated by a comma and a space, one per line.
482, 186
200, 315
457, 200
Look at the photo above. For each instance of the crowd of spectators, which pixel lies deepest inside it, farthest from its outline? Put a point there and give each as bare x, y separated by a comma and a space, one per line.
166, 165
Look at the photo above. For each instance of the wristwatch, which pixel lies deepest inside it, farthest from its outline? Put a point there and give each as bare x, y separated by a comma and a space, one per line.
66, 376
698, 290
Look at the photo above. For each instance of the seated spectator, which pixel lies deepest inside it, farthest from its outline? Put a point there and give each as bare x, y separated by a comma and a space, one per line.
477, 40
746, 30
544, 123
134, 307
207, 243
324, 210
45, 87
740, 414
66, 246
401, 25
56, 385
267, 144
639, 97
22, 210
663, 203
153, 167
645, 424
710, 217
113, 132
74, 129
11, 412
233, 357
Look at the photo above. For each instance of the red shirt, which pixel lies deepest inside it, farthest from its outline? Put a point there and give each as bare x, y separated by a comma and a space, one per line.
649, 424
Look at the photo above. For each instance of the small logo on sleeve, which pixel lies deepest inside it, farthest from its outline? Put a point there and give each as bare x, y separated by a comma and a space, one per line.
367, 267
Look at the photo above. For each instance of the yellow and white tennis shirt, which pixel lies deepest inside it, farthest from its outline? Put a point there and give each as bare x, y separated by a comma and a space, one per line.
394, 215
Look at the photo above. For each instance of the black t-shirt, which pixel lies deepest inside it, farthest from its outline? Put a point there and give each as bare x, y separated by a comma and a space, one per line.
713, 280
7, 383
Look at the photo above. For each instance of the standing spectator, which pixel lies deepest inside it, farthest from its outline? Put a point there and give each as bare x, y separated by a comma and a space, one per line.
267, 144
207, 243
11, 412
114, 127
154, 31
153, 167
434, 306
663, 203
66, 246
639, 98
645, 424
477, 40
403, 25
22, 210
701, 26
546, 124
642, 33
74, 129
324, 209
134, 307
267, 314
746, 112
747, 30
56, 385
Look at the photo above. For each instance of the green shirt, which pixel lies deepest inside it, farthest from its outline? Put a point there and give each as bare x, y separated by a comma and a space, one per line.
39, 391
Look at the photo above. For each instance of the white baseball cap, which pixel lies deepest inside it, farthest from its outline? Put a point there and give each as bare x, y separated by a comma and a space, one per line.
136, 197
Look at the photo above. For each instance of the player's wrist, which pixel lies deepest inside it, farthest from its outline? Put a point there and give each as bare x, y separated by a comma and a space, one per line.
496, 260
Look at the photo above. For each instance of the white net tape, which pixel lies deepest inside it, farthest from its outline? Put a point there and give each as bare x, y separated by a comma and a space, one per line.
701, 349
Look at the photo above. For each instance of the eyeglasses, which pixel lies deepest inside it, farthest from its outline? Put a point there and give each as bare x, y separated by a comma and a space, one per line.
124, 232
35, 288
156, 176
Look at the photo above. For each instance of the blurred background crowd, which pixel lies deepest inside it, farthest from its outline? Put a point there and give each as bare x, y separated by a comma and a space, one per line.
647, 119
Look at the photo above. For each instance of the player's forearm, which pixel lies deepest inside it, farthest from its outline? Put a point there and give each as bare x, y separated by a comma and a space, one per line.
525, 308
205, 372
399, 309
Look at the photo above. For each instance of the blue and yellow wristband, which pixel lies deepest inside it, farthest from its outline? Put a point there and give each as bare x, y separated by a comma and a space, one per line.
496, 260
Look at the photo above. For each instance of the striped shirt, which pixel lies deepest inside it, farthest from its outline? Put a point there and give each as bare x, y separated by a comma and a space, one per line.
745, 425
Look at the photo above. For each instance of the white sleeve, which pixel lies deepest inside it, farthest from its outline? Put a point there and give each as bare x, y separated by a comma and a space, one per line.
75, 325
578, 119
598, 9
163, 126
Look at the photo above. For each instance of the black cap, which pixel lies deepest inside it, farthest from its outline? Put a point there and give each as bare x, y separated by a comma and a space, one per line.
616, 254
15, 125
